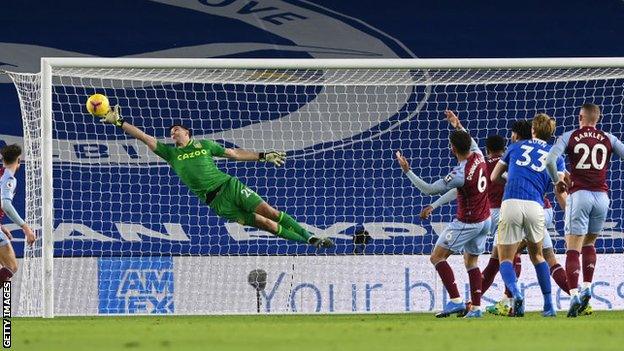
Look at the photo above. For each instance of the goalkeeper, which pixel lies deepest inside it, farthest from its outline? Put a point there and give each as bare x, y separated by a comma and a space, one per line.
228, 197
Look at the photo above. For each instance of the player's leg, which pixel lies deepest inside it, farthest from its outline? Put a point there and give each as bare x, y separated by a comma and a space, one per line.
578, 208
441, 251
287, 223
474, 247
237, 203
7, 259
491, 270
510, 234
597, 218
534, 227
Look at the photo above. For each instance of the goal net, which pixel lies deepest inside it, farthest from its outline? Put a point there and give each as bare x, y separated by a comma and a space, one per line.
128, 237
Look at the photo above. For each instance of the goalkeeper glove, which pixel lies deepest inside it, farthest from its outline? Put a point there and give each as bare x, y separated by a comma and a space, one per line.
113, 116
275, 157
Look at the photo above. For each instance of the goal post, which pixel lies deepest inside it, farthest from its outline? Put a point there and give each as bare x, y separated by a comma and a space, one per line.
122, 235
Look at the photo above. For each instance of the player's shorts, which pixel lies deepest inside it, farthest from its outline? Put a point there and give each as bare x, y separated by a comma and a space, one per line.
586, 212
520, 219
494, 215
236, 202
466, 237
549, 226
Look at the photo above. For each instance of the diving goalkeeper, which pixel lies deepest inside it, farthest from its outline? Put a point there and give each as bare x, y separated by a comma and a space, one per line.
228, 197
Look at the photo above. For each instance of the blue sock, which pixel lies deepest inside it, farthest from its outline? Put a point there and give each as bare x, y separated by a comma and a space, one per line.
543, 277
509, 277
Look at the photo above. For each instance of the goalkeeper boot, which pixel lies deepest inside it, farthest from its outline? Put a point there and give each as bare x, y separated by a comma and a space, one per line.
518, 307
585, 296
474, 314
321, 243
451, 308
575, 304
499, 309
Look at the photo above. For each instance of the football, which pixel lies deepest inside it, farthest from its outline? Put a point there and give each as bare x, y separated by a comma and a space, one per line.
98, 105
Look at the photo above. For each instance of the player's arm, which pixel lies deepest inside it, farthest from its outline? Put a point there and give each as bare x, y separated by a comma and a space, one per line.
114, 117
553, 156
499, 174
454, 121
6, 232
617, 145
275, 157
442, 200
11, 212
441, 186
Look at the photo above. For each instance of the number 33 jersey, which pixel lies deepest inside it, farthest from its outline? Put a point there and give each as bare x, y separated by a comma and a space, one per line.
527, 178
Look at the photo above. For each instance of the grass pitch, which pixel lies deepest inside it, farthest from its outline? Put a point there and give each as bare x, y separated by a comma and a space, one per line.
601, 331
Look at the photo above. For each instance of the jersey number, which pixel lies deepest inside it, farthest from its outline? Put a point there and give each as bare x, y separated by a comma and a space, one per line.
584, 148
247, 192
526, 155
482, 183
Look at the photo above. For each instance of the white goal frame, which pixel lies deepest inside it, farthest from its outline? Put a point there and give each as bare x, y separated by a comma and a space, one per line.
49, 64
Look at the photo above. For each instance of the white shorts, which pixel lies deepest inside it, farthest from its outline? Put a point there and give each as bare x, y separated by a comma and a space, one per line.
550, 230
520, 219
494, 215
586, 212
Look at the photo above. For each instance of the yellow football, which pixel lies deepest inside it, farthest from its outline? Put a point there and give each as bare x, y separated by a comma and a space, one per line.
98, 105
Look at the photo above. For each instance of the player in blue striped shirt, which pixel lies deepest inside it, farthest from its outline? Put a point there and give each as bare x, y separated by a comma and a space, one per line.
522, 212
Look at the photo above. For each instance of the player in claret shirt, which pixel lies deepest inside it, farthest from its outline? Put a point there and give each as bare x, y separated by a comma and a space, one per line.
228, 197
468, 232
589, 151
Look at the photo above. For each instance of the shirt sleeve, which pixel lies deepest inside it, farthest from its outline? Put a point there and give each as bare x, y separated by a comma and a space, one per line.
164, 151
215, 149
507, 155
617, 145
446, 198
7, 188
560, 165
9, 210
441, 186
556, 151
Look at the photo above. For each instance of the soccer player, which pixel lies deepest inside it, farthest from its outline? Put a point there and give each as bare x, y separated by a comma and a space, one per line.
11, 156
469, 230
228, 197
522, 213
589, 150
521, 130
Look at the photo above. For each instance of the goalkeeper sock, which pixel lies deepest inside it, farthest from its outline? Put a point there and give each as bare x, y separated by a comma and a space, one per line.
288, 222
543, 277
288, 234
509, 277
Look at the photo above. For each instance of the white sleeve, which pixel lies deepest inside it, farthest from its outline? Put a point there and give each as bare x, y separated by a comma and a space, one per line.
446, 198
555, 152
617, 145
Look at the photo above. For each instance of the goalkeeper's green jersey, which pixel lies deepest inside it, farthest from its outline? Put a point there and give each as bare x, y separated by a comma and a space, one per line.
194, 165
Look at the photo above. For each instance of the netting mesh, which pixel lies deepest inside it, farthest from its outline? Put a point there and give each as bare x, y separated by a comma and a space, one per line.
118, 202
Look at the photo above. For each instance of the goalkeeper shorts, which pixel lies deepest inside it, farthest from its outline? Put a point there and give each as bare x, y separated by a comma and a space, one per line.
236, 202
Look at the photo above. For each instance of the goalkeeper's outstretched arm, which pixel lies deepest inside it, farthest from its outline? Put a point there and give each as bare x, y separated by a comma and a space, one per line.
275, 157
114, 117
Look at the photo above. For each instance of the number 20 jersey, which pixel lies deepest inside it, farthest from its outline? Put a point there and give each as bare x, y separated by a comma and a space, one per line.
589, 153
